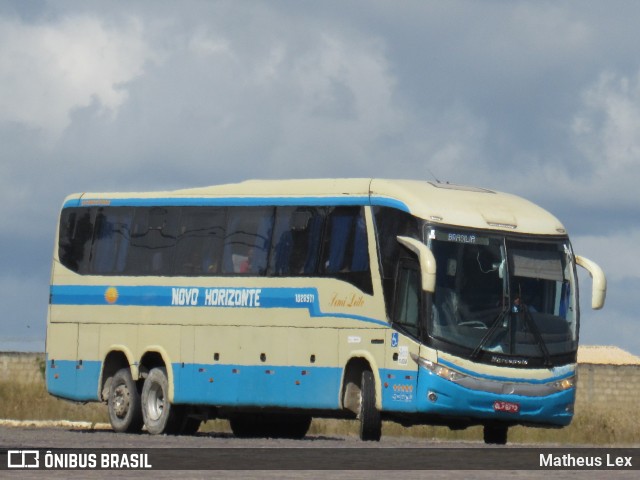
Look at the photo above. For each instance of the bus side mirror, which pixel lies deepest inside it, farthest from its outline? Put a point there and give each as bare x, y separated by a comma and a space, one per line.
425, 258
599, 288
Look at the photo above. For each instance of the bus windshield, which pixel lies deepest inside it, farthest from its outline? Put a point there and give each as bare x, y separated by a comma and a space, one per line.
502, 299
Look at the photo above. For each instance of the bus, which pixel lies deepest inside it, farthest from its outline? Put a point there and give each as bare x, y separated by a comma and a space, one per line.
269, 303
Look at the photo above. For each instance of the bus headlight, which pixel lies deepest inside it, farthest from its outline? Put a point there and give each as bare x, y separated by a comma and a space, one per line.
564, 384
441, 371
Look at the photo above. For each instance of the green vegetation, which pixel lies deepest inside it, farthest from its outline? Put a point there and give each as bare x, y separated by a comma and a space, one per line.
591, 425
30, 401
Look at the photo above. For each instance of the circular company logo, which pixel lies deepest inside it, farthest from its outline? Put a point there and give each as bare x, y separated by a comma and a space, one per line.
111, 295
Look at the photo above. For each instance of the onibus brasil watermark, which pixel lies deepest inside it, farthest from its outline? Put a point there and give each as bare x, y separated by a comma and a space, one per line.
76, 460
331, 458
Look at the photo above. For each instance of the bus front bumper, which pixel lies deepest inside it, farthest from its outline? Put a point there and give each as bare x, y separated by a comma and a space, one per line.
440, 396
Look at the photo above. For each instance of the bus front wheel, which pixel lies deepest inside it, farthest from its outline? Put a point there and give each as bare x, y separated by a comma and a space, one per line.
158, 413
125, 412
369, 416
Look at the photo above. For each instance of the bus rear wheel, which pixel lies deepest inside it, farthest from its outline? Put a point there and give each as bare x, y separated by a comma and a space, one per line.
123, 404
158, 413
369, 416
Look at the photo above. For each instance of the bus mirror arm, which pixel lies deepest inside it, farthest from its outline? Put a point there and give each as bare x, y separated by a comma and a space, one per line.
425, 258
599, 289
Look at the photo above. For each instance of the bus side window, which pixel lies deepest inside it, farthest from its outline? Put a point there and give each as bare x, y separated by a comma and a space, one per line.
390, 223
112, 232
296, 241
76, 232
248, 240
200, 241
153, 238
346, 249
346, 241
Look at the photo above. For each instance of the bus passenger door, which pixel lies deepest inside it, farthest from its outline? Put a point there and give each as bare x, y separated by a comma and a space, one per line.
400, 385
407, 301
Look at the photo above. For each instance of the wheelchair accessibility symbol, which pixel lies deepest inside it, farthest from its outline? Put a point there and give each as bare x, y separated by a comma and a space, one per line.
394, 339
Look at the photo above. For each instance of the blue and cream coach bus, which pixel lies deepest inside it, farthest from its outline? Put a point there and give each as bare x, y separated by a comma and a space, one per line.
272, 302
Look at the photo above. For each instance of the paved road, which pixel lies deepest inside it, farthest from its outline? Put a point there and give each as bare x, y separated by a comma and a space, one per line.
338, 447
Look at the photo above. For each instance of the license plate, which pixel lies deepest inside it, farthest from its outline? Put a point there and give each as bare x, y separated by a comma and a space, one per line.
508, 407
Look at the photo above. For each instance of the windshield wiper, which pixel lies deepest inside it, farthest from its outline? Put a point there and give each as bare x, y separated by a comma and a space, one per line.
529, 322
536, 334
494, 327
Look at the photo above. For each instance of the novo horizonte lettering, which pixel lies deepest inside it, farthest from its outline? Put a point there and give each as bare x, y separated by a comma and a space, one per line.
216, 297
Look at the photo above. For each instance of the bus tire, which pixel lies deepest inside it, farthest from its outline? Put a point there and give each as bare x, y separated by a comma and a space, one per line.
158, 413
495, 434
370, 420
123, 403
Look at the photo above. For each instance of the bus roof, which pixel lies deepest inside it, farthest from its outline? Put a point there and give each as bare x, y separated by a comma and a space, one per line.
439, 203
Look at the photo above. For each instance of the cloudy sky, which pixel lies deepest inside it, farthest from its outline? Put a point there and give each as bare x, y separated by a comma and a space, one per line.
538, 98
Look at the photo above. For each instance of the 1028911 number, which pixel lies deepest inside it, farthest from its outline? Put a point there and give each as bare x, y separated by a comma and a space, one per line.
305, 298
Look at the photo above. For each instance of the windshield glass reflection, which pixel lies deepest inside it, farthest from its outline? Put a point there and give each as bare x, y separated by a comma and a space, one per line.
501, 296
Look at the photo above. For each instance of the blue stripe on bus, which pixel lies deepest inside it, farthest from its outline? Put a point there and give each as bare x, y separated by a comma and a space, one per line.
205, 297
237, 202
399, 390
219, 384
257, 385
72, 380
318, 388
